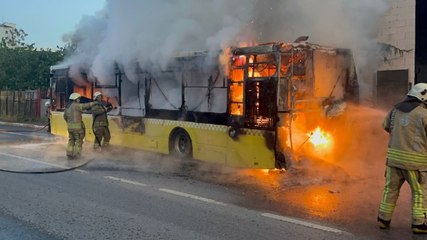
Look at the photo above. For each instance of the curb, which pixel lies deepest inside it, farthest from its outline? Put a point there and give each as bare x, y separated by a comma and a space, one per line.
37, 128
27, 125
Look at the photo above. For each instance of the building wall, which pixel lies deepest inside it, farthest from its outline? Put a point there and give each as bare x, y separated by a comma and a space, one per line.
5, 28
398, 30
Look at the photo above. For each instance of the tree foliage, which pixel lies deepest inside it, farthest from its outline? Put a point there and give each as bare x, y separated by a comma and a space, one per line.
24, 67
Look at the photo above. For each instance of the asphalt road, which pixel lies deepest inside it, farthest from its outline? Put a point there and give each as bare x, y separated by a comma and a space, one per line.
125, 194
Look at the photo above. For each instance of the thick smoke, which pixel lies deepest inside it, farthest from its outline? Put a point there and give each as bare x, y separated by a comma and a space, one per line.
152, 32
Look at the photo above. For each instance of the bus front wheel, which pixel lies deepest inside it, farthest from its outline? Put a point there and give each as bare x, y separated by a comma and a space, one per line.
180, 144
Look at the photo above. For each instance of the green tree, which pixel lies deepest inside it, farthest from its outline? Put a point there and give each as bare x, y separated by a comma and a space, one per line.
24, 67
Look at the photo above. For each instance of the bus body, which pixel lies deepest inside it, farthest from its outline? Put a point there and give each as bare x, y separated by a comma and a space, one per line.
241, 113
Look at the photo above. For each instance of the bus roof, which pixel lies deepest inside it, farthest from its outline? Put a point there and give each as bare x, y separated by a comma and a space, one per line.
283, 47
59, 66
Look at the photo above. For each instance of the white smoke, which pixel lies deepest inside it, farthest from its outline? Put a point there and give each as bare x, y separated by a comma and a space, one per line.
152, 32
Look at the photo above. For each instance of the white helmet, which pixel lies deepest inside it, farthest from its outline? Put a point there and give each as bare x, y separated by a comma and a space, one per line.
419, 91
74, 96
47, 104
96, 94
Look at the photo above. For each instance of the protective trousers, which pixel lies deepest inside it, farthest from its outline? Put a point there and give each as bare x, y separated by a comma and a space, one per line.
395, 177
102, 136
75, 142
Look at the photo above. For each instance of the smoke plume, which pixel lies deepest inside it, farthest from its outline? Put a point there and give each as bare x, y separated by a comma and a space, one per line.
152, 32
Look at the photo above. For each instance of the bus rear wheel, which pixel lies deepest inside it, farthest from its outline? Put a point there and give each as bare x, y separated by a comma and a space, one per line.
180, 144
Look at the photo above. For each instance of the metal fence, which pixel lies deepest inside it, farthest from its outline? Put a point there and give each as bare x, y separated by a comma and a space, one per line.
22, 105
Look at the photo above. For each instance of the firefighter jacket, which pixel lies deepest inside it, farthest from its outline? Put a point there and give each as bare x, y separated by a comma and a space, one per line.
73, 115
99, 114
407, 125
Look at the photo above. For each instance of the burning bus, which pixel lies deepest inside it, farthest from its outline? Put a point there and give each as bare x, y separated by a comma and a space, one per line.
248, 107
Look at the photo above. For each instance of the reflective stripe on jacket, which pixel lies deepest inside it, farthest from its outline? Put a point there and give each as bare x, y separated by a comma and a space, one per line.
407, 148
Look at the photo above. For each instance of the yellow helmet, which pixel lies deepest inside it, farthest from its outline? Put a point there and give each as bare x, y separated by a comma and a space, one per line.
96, 94
74, 96
419, 91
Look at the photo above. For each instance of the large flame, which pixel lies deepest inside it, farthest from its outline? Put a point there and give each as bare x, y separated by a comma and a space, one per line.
320, 139
236, 87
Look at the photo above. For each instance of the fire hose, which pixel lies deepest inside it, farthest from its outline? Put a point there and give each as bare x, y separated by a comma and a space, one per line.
39, 171
302, 144
46, 171
21, 130
49, 171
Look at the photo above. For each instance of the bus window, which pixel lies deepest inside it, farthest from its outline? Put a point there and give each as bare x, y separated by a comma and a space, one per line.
238, 61
237, 75
236, 109
262, 65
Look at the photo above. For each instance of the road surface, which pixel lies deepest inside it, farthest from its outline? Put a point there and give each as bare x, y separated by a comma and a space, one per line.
125, 194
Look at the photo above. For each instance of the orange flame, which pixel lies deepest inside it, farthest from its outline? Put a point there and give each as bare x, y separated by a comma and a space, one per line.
320, 139
236, 88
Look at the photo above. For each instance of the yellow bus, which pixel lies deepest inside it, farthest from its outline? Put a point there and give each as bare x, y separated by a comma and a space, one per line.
242, 108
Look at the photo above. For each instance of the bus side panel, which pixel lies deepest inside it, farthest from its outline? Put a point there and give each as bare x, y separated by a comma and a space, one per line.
211, 143
150, 135
57, 124
329, 75
252, 149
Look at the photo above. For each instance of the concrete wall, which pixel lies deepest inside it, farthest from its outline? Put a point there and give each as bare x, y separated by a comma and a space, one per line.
5, 28
398, 29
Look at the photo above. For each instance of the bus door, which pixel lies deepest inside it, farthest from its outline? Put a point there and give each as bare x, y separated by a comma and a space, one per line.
253, 91
61, 86
296, 102
252, 105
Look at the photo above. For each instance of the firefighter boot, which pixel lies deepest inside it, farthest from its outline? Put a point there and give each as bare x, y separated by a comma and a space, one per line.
106, 146
96, 147
419, 229
383, 224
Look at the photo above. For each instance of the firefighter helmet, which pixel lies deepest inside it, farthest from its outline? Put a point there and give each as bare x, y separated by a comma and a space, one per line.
74, 96
96, 94
419, 91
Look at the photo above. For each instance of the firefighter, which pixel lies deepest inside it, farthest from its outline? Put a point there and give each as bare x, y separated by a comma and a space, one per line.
100, 122
75, 125
407, 158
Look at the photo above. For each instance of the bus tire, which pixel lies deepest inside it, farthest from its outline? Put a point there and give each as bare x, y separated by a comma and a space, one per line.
180, 144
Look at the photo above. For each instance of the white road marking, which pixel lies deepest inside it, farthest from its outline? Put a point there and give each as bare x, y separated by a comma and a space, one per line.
125, 181
32, 136
31, 145
277, 217
31, 160
21, 125
182, 194
303, 223
40, 162
13, 133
